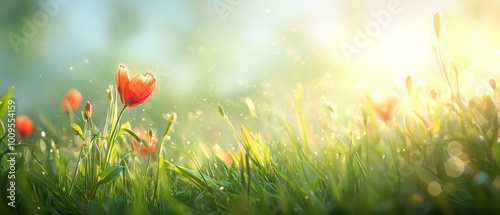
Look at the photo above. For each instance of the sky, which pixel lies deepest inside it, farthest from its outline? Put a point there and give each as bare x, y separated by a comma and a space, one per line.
204, 52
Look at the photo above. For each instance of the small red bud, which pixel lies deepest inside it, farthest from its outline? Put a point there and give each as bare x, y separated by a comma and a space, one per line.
88, 110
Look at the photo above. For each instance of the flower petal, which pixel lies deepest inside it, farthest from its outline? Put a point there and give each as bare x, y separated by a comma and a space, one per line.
122, 81
149, 144
139, 89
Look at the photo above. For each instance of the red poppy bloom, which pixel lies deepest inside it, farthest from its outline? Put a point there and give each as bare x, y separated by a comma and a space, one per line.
383, 106
149, 144
73, 97
24, 125
136, 91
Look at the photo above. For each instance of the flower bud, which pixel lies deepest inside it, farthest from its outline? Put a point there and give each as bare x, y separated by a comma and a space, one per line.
409, 86
88, 110
109, 91
433, 95
493, 84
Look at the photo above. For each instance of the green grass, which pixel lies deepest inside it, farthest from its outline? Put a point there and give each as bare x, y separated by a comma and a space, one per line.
434, 155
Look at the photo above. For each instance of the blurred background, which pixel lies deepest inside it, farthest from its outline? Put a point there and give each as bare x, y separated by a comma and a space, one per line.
225, 51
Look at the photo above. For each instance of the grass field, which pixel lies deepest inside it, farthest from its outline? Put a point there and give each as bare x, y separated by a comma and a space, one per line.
420, 153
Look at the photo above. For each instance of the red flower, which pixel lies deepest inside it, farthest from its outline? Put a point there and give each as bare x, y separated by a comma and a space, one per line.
136, 91
73, 97
24, 125
383, 106
149, 144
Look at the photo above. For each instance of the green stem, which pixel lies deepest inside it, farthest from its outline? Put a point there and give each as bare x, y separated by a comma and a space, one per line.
112, 139
89, 153
443, 69
247, 161
160, 153
90, 168
158, 171
86, 142
365, 134
85, 161
367, 149
76, 170
147, 166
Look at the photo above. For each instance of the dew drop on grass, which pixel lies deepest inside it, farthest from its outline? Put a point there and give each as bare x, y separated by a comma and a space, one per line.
221, 188
42, 133
434, 188
481, 137
43, 146
480, 178
449, 188
417, 198
454, 148
496, 182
